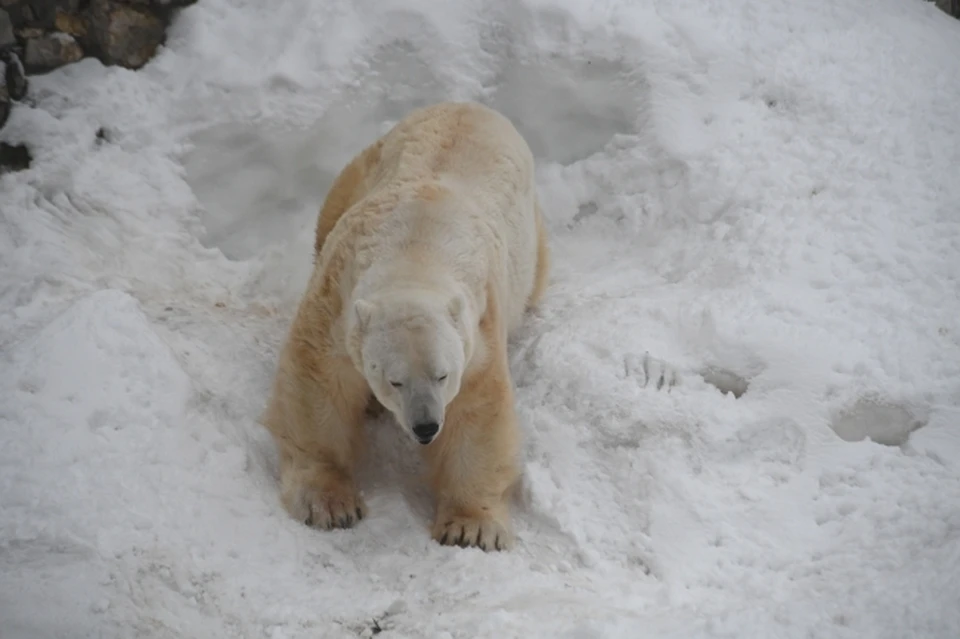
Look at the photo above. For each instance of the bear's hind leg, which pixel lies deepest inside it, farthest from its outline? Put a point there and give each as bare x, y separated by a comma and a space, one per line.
473, 463
319, 435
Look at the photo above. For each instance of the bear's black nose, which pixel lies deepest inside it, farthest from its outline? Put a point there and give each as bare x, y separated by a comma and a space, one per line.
426, 432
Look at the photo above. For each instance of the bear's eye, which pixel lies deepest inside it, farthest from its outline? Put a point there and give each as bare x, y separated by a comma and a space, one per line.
441, 378
396, 384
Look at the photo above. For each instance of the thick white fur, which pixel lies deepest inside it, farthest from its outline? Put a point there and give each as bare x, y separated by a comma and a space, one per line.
430, 247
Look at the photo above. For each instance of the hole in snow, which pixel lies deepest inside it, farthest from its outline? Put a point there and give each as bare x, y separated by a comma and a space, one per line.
567, 110
257, 186
725, 381
875, 419
585, 211
261, 183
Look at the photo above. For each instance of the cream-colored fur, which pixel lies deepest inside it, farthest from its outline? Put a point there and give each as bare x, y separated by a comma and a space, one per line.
430, 240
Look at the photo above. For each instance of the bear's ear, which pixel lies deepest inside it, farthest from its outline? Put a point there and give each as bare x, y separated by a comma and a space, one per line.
364, 311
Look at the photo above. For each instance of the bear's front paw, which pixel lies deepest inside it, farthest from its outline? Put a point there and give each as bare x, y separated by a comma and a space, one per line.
327, 507
485, 533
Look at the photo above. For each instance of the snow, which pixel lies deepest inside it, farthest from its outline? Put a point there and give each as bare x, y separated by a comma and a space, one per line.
755, 195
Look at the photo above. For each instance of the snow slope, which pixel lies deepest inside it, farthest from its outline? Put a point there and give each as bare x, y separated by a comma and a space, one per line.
761, 194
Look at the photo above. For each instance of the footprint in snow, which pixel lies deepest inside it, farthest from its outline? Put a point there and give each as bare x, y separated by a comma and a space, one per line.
652, 372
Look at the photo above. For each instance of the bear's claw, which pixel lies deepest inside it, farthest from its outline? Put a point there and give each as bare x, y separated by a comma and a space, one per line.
466, 532
328, 514
328, 509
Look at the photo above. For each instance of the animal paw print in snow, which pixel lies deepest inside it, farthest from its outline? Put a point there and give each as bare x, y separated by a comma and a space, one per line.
653, 372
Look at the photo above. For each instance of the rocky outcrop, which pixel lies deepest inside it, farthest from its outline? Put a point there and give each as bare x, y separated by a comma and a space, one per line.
951, 7
38, 36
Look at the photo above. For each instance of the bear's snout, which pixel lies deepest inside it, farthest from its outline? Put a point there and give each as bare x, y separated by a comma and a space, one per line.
426, 432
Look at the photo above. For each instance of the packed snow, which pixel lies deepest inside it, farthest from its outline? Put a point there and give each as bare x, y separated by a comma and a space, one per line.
740, 400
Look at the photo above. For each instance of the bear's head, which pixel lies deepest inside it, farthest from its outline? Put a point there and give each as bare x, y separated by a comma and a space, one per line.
412, 348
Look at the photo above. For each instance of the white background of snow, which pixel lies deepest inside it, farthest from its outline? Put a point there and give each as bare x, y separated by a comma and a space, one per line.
767, 187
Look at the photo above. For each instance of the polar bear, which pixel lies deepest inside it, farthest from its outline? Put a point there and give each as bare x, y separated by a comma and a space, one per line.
430, 247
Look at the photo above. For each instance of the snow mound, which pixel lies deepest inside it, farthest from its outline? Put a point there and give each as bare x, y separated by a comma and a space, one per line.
740, 399
92, 431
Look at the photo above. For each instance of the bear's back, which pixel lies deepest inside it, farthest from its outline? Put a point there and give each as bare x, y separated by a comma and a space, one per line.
456, 177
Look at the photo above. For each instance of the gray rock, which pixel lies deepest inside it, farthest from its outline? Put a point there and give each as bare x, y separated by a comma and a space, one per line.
21, 15
50, 52
7, 38
45, 12
951, 7
14, 76
123, 34
4, 103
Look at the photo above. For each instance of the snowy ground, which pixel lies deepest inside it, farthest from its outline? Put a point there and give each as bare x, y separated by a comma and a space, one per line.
760, 193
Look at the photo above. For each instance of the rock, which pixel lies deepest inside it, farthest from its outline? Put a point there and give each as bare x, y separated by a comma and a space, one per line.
49, 52
167, 4
123, 34
4, 104
19, 11
13, 157
45, 11
951, 7
7, 38
71, 23
14, 76
38, 36
28, 33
